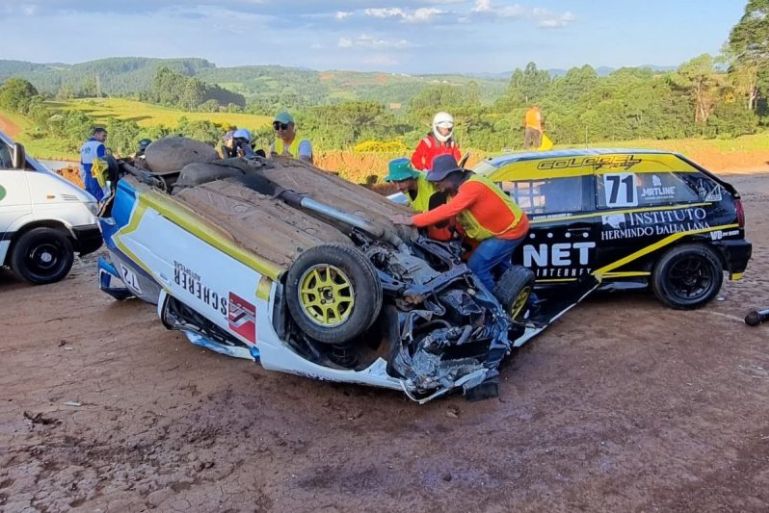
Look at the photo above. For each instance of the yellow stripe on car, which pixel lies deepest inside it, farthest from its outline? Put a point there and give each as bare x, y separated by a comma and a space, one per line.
580, 165
136, 216
180, 214
626, 274
183, 216
603, 271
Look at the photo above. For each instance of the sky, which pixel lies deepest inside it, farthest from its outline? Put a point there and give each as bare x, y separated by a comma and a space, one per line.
401, 36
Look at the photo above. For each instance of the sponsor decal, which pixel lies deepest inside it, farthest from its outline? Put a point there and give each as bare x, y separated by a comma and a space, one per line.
657, 191
2, 192
130, 279
718, 235
242, 317
190, 281
558, 260
597, 162
648, 224
714, 194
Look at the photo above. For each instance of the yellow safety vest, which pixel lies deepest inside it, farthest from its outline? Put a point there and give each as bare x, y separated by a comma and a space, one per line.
475, 230
425, 190
292, 150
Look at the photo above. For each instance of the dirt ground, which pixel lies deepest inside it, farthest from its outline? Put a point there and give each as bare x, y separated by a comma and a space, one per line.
621, 406
9, 127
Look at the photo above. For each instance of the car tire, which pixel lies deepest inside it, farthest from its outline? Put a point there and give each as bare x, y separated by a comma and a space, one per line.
687, 276
333, 293
513, 290
42, 255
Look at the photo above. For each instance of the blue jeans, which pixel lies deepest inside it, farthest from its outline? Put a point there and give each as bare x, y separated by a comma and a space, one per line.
490, 254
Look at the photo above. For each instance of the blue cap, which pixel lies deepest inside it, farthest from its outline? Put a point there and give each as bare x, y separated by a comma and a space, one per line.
443, 166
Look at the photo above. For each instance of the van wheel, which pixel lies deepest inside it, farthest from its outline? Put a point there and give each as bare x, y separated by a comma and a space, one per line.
333, 293
42, 255
687, 276
513, 290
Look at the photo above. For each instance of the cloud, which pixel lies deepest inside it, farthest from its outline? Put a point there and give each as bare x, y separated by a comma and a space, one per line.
420, 15
544, 17
340, 15
424, 14
506, 11
367, 41
386, 12
551, 22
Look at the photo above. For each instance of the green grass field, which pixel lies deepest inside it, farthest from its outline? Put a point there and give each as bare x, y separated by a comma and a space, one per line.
101, 109
754, 142
745, 151
148, 115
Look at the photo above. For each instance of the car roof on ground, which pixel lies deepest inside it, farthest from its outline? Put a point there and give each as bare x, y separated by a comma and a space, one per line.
509, 158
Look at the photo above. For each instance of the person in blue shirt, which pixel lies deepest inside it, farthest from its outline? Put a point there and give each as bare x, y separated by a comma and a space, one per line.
91, 150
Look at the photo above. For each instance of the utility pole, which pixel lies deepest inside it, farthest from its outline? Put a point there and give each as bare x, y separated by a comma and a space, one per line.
98, 86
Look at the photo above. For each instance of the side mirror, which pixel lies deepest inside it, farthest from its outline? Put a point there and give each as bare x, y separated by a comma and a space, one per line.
18, 157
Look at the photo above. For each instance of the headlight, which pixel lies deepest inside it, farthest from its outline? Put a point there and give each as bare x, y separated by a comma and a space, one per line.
93, 207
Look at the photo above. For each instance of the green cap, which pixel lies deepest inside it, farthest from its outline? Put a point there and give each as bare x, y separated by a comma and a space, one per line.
399, 170
284, 117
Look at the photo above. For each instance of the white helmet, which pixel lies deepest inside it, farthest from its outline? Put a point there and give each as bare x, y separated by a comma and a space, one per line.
242, 133
443, 120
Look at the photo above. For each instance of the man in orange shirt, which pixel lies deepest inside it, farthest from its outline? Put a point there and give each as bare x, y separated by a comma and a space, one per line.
485, 213
532, 131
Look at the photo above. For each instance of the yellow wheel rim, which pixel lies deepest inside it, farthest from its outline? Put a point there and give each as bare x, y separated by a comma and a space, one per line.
326, 295
520, 302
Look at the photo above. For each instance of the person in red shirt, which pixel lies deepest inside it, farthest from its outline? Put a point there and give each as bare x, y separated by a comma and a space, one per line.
439, 142
484, 212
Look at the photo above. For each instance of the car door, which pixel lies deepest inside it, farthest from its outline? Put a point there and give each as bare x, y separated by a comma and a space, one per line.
14, 200
640, 208
561, 243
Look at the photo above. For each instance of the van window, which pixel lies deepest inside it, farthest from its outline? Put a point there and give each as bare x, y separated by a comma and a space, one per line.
6, 161
625, 189
550, 196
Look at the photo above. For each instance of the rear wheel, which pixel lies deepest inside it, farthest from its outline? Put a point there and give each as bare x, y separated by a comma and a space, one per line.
42, 255
513, 290
687, 276
333, 293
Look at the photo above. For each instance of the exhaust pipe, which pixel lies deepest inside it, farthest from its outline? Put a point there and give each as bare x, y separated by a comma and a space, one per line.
298, 200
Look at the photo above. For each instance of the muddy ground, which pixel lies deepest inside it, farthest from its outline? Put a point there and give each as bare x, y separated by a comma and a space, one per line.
621, 406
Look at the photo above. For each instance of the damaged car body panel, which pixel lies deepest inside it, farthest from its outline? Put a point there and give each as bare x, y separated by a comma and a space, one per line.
245, 260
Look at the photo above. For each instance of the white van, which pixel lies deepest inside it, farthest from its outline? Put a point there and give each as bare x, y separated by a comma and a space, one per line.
44, 219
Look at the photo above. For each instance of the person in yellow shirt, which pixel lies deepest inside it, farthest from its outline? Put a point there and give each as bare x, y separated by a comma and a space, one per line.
420, 194
532, 131
287, 143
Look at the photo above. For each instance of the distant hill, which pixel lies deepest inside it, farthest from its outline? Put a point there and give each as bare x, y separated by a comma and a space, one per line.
116, 76
123, 76
130, 76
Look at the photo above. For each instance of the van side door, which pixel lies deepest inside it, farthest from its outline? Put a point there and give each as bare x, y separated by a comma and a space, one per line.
15, 200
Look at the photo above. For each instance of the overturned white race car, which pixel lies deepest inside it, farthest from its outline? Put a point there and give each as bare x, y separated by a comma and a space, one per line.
242, 257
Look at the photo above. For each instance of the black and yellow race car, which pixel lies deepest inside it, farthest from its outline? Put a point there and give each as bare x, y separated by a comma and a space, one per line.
626, 218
